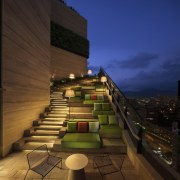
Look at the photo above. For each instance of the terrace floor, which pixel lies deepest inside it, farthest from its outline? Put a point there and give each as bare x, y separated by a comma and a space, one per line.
14, 167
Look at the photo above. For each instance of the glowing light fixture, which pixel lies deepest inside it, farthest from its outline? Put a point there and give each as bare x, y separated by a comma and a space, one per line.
89, 72
69, 93
103, 79
71, 76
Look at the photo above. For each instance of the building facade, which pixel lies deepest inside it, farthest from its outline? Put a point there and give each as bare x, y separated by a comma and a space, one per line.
28, 61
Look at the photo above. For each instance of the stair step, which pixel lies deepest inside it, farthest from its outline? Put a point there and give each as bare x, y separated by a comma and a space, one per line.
60, 111
57, 92
44, 133
58, 104
34, 145
56, 115
41, 139
47, 127
58, 108
54, 118
51, 123
59, 100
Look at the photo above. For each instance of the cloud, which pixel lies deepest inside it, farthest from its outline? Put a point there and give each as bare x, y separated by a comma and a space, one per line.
172, 65
139, 61
165, 78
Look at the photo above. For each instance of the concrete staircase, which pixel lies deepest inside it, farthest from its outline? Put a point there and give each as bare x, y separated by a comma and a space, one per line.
46, 129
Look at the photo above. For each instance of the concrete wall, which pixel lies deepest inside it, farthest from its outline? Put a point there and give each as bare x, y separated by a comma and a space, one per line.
142, 166
64, 62
67, 18
25, 66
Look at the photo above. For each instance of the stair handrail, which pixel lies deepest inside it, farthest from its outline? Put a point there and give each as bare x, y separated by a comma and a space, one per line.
134, 133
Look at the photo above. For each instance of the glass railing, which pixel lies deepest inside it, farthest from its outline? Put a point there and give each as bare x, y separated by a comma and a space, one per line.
156, 144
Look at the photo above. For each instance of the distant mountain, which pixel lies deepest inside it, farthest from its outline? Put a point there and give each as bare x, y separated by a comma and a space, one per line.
150, 93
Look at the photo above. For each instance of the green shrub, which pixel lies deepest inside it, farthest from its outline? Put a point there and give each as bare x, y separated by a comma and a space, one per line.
68, 40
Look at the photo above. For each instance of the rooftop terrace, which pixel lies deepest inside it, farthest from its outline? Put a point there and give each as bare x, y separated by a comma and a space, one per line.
51, 128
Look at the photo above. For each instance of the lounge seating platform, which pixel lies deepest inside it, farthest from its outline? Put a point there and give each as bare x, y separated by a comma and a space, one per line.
81, 140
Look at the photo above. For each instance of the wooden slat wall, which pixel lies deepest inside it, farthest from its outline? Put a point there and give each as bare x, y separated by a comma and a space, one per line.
64, 62
26, 65
68, 18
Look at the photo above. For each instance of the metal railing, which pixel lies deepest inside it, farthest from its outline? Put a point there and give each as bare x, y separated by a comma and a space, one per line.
138, 128
128, 113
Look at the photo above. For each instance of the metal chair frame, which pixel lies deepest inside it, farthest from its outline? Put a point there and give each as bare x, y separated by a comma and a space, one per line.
41, 162
104, 161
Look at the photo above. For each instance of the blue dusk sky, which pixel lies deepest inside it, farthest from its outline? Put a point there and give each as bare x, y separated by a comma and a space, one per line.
137, 42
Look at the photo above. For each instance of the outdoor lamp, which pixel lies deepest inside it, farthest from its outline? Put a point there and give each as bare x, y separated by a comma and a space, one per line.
89, 72
71, 76
103, 80
69, 93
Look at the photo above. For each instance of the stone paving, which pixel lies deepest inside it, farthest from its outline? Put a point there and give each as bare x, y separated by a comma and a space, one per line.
15, 166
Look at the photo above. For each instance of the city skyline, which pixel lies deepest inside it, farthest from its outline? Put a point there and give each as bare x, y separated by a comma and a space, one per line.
136, 42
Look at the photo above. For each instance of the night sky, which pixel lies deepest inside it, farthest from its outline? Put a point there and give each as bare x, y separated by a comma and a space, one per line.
137, 42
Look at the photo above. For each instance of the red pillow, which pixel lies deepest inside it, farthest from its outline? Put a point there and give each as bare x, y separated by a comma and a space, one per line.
93, 97
82, 126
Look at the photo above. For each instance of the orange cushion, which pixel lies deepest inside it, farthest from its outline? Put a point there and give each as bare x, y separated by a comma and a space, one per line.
82, 126
93, 97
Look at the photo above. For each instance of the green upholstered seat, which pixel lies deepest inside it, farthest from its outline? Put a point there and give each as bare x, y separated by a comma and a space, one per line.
72, 127
83, 120
96, 113
87, 97
103, 119
100, 97
102, 108
93, 98
88, 87
92, 101
110, 131
81, 140
106, 106
112, 119
97, 106
94, 127
78, 93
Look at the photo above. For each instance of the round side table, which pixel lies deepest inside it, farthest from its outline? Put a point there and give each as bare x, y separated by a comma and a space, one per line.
76, 164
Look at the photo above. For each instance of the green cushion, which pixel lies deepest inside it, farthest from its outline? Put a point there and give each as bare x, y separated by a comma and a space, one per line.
71, 126
78, 93
88, 87
105, 106
84, 120
97, 106
103, 119
92, 101
100, 97
79, 140
93, 126
112, 120
78, 88
96, 113
87, 97
110, 131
